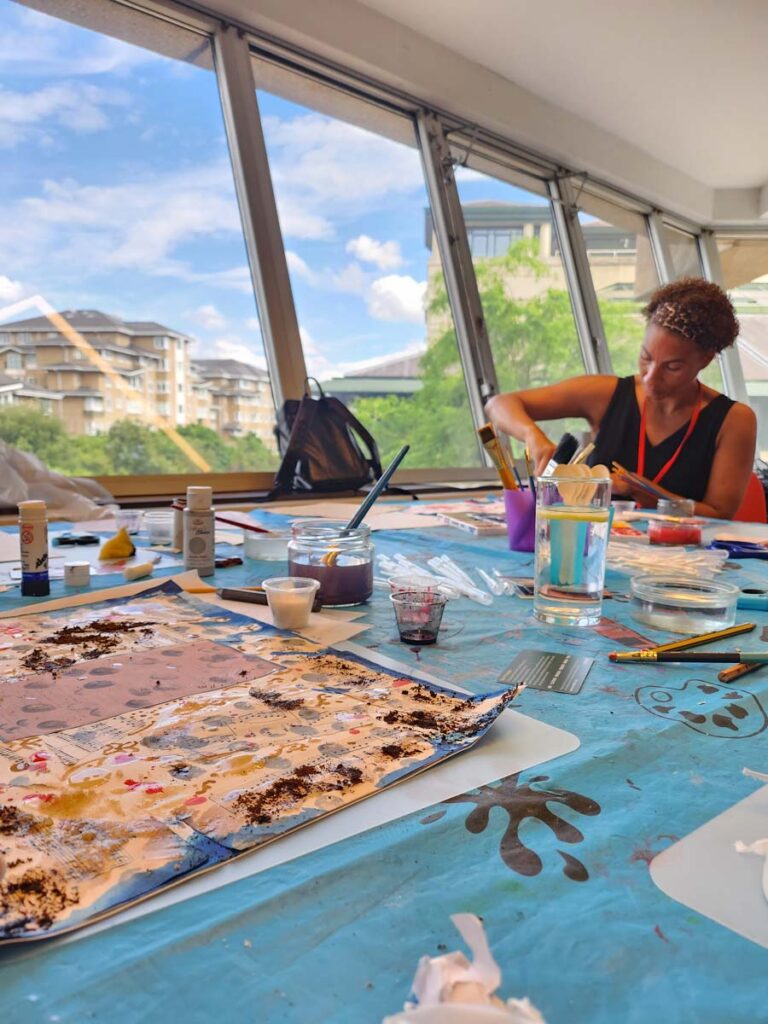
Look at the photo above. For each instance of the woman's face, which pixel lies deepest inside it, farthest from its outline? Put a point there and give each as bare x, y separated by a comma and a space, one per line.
669, 363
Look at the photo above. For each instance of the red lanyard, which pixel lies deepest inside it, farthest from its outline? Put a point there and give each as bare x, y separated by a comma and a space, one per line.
641, 441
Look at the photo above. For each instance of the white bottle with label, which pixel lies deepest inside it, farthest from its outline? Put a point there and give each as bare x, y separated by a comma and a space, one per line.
199, 547
33, 538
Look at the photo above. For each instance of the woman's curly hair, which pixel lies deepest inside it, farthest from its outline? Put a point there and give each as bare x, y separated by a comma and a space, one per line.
696, 309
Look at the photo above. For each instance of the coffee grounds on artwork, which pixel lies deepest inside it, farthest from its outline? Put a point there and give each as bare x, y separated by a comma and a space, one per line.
261, 807
273, 699
35, 899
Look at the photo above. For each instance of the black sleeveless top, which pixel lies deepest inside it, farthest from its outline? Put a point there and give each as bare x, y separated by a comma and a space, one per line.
619, 430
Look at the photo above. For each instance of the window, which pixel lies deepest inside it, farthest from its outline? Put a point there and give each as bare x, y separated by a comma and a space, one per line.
13, 361
745, 275
136, 138
366, 276
522, 285
623, 274
683, 251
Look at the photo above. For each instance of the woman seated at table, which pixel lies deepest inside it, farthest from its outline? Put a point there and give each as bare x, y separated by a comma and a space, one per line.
662, 423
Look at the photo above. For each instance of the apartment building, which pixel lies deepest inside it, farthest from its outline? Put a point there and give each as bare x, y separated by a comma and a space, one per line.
128, 370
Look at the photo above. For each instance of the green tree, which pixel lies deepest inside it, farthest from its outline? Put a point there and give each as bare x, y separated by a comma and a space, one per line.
32, 430
534, 342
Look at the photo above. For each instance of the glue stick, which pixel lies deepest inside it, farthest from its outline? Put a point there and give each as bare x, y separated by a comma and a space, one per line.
199, 531
33, 537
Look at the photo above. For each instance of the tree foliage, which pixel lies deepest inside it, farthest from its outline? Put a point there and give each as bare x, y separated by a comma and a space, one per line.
533, 340
128, 447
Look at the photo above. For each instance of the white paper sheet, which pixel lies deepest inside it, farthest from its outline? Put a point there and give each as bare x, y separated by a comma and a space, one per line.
705, 871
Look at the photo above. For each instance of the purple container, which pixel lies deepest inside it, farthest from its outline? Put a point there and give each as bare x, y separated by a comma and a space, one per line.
521, 520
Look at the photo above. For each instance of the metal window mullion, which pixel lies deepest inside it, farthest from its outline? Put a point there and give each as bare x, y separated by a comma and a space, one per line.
258, 211
461, 283
662, 254
581, 289
730, 363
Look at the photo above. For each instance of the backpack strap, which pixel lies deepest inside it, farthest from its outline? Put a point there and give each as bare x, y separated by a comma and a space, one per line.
354, 423
302, 426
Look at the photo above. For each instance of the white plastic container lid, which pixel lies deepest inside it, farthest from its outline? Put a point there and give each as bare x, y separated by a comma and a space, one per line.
33, 510
199, 499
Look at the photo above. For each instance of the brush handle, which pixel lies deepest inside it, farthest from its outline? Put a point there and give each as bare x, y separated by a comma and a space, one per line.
381, 483
717, 657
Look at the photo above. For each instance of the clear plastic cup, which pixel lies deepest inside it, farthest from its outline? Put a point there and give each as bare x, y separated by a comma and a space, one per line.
128, 519
290, 600
418, 614
159, 525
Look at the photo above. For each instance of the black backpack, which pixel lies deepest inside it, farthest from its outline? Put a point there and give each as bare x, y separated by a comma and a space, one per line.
318, 439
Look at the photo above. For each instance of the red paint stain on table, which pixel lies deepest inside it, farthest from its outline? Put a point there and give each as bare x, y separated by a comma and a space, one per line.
661, 934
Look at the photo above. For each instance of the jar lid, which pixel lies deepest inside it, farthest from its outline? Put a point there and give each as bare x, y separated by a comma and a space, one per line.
681, 591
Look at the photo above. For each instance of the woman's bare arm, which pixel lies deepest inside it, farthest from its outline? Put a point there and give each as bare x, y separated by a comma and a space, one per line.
517, 413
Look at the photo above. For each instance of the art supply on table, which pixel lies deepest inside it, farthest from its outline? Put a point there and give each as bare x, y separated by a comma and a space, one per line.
638, 557
693, 641
676, 507
418, 614
159, 525
564, 451
621, 507
582, 455
702, 657
573, 521
520, 508
665, 532
529, 470
448, 569
377, 489
228, 562
249, 595
248, 527
138, 572
740, 549
33, 540
753, 598
341, 560
480, 524
681, 603
77, 574
71, 539
290, 600
728, 675
266, 547
177, 536
119, 546
493, 446
518, 478
620, 633
199, 531
128, 519
544, 670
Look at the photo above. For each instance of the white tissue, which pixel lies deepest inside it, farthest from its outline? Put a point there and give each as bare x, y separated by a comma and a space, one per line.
760, 848
467, 986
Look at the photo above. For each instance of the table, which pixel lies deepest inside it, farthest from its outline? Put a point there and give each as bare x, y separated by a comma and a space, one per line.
336, 935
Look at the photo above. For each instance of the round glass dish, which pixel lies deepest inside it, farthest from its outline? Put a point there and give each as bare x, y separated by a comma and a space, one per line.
266, 547
683, 604
341, 562
661, 531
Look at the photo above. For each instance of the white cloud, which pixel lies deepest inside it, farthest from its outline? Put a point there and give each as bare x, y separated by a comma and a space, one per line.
397, 297
386, 255
209, 317
75, 105
352, 279
252, 323
326, 171
10, 290
232, 346
299, 267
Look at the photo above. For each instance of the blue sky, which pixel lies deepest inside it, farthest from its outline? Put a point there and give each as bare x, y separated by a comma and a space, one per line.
116, 194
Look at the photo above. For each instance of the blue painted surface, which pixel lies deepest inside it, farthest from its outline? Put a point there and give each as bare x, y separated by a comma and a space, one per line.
336, 935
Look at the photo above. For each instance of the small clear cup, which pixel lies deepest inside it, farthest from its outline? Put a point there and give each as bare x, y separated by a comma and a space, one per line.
159, 525
128, 519
290, 600
418, 614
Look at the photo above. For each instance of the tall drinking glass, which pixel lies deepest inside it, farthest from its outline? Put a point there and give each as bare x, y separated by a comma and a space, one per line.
572, 525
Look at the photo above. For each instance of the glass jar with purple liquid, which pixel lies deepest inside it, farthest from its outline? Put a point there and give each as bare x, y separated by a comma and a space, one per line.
342, 563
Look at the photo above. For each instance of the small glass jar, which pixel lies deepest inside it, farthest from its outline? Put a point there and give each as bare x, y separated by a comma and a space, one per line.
342, 563
683, 507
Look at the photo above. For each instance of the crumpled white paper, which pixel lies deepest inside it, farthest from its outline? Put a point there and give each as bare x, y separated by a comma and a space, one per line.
761, 849
450, 989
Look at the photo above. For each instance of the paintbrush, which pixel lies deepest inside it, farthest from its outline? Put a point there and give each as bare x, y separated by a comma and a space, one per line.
241, 526
493, 446
639, 481
714, 657
737, 671
689, 641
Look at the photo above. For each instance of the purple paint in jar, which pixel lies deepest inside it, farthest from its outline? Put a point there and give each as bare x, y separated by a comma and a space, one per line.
342, 563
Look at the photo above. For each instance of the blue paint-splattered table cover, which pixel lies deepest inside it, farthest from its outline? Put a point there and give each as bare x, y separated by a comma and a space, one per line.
555, 860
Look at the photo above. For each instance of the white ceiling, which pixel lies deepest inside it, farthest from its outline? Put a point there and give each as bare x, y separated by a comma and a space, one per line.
684, 80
